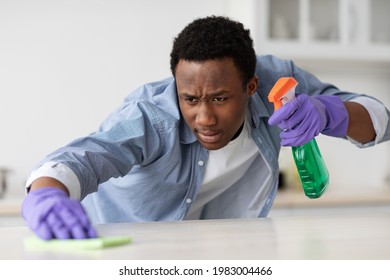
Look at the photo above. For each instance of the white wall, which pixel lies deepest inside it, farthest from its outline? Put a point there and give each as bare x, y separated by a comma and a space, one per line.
65, 65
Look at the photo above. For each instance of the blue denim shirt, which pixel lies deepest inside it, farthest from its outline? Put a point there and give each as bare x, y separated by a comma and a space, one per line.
145, 164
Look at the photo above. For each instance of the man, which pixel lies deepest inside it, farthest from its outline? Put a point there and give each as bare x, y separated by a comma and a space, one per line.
203, 144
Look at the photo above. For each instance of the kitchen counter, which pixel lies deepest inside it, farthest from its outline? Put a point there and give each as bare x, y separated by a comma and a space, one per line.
10, 206
347, 236
10, 212
358, 203
291, 199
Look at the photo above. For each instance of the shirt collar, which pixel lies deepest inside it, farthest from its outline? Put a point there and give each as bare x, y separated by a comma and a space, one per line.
258, 109
186, 134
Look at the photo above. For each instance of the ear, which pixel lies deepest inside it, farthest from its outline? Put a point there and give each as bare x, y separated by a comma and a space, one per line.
252, 85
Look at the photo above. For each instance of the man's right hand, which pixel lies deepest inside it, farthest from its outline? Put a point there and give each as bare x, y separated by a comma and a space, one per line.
52, 214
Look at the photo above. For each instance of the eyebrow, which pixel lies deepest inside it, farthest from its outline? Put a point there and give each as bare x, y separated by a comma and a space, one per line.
210, 95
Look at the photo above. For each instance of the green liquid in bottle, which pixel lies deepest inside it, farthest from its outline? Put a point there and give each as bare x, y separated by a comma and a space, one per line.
311, 169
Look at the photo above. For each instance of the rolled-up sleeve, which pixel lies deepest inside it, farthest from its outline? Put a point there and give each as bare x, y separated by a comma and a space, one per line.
60, 172
379, 118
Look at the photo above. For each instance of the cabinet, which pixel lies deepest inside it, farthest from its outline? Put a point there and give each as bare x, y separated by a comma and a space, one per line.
357, 30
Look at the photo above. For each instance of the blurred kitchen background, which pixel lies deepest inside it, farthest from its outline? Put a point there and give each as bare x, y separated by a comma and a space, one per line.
65, 65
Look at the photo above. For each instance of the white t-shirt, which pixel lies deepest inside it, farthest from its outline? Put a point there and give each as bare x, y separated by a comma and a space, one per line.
225, 167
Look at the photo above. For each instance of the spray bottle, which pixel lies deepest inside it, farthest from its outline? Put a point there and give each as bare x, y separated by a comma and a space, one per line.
311, 167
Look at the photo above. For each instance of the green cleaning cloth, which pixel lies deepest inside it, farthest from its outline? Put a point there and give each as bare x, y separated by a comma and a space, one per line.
34, 242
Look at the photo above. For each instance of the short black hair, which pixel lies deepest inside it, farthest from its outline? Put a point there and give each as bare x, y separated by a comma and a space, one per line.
216, 37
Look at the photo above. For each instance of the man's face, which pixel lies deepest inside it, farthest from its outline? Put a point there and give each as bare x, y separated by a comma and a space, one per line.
212, 99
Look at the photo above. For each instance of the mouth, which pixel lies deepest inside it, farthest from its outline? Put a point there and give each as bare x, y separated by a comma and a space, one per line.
209, 136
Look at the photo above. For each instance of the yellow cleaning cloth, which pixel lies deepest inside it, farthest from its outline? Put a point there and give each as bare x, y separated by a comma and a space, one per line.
77, 244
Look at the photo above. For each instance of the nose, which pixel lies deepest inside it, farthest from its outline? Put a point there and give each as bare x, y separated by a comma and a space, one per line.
205, 115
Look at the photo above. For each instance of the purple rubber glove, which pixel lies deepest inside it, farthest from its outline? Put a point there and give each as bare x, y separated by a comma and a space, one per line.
307, 116
50, 214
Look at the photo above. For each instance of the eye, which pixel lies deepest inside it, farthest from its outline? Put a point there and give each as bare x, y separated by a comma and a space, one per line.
219, 99
191, 100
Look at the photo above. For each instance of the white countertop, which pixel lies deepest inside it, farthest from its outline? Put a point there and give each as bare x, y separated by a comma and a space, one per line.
314, 235
341, 236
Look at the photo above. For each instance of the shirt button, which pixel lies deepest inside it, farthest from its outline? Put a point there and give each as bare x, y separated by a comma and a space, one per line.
188, 200
200, 163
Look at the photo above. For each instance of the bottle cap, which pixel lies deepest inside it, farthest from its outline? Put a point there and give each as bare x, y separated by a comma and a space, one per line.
283, 88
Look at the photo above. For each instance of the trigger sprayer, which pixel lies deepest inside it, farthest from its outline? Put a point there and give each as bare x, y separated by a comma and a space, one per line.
311, 167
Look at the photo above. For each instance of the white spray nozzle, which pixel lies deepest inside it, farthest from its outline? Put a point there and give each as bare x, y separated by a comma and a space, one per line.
289, 95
